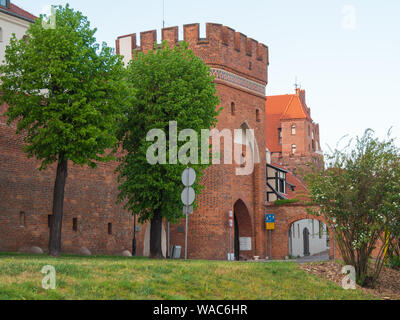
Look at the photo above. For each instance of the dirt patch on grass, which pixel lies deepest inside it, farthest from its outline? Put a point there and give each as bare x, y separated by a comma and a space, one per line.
388, 286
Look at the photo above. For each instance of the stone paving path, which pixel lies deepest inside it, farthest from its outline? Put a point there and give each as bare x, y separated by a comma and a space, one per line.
323, 256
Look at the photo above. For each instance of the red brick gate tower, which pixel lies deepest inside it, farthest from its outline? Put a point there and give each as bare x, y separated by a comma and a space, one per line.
240, 65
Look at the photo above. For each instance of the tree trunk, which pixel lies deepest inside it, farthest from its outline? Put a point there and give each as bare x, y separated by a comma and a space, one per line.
58, 206
155, 236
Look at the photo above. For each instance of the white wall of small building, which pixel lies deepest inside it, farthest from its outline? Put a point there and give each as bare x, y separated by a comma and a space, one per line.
317, 244
10, 25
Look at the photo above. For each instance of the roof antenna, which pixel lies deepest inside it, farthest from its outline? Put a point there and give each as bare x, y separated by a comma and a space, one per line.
163, 8
296, 85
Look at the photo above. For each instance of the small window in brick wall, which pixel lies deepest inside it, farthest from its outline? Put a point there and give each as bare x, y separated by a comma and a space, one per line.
75, 224
22, 219
110, 228
49, 220
233, 108
258, 117
280, 135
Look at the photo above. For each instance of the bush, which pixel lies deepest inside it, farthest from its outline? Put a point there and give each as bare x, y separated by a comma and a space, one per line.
359, 196
394, 263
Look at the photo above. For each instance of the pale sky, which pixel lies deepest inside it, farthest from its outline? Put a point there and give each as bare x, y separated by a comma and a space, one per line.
345, 54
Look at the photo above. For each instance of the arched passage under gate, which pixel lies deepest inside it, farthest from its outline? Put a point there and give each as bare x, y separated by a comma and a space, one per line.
243, 239
308, 237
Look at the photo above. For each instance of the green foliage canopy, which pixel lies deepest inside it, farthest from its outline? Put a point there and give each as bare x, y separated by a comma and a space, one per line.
169, 84
64, 90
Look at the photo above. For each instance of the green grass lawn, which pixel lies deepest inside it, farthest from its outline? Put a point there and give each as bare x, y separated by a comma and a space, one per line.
138, 278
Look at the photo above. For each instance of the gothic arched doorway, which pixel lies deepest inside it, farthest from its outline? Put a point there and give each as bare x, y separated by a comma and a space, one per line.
306, 242
243, 231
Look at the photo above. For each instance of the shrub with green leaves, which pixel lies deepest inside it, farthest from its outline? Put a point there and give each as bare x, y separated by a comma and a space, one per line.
359, 195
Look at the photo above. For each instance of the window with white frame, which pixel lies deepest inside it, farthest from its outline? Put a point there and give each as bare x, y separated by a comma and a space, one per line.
5, 3
281, 182
280, 135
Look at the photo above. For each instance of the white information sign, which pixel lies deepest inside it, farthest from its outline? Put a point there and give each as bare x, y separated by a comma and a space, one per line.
245, 244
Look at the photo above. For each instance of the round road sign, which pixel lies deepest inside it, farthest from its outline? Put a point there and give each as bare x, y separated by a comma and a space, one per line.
188, 196
188, 177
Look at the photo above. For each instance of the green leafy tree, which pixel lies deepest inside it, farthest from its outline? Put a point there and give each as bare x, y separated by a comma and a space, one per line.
392, 238
359, 195
64, 92
169, 84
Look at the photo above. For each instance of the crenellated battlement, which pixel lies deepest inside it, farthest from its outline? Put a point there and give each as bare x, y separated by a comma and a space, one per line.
222, 48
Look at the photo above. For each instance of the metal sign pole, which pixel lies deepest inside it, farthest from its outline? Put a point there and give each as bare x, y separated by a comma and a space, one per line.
230, 244
187, 218
270, 221
188, 197
186, 237
266, 243
270, 244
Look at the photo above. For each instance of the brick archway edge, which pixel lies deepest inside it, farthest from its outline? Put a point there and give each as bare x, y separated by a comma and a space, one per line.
285, 216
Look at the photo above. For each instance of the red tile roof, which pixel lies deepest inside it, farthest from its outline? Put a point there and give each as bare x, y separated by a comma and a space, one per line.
300, 192
283, 107
19, 12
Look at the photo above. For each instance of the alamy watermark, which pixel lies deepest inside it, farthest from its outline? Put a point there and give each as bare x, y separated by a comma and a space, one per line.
239, 146
49, 280
349, 281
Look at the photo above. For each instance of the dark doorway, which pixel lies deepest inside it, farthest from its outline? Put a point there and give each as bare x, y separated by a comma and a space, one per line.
237, 241
242, 229
306, 240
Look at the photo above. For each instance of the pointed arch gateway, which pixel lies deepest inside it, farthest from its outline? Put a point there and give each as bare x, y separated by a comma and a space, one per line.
243, 231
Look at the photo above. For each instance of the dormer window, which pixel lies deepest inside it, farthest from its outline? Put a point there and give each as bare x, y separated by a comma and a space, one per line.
281, 182
5, 3
280, 135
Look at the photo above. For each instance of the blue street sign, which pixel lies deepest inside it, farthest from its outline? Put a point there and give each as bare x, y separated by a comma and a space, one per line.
270, 218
